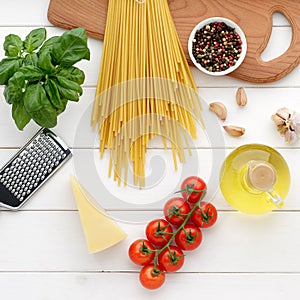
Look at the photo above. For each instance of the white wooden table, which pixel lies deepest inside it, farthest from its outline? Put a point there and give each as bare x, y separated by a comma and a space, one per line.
43, 254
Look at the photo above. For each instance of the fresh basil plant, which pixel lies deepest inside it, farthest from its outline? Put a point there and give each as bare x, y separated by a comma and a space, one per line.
39, 75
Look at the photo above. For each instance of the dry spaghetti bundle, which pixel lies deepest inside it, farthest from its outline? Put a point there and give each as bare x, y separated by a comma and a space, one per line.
145, 87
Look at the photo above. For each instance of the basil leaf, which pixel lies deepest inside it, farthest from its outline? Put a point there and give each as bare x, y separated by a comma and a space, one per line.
8, 67
35, 39
47, 46
45, 63
31, 59
13, 45
20, 115
64, 105
38, 106
69, 84
18, 80
12, 95
72, 73
68, 94
45, 117
13, 92
53, 94
35, 98
32, 73
71, 47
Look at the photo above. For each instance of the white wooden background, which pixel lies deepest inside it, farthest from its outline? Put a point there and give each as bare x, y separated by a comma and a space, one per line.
43, 254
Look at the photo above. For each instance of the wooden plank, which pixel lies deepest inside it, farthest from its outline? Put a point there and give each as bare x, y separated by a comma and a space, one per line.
56, 194
255, 118
22, 13
111, 286
54, 241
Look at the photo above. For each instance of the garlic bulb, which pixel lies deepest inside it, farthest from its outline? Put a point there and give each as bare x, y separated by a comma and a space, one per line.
288, 124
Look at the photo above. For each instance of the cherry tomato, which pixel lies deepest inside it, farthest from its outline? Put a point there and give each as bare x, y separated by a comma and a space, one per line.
192, 189
205, 215
141, 252
152, 277
159, 232
171, 259
176, 210
189, 237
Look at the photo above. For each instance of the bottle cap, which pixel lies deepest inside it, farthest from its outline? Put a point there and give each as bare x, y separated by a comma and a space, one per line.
262, 176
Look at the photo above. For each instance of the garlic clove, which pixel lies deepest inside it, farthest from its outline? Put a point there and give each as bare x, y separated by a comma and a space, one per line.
219, 109
241, 97
283, 113
295, 122
290, 137
282, 129
235, 131
278, 120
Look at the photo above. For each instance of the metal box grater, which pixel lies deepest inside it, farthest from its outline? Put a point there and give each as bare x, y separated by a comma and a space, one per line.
31, 167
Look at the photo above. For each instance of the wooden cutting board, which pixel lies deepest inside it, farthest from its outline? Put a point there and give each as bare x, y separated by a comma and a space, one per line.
254, 17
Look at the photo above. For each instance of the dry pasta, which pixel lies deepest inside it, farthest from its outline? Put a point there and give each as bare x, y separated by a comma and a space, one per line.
145, 87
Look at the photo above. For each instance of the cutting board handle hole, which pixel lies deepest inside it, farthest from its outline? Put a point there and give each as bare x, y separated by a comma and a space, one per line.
280, 38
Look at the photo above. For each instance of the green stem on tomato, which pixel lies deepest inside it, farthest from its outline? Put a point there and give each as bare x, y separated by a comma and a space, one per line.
167, 245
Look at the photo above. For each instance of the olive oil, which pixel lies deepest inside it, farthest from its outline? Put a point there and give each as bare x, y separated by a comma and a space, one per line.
237, 185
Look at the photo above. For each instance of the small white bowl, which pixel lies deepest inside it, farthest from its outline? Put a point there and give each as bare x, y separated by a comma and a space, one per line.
237, 29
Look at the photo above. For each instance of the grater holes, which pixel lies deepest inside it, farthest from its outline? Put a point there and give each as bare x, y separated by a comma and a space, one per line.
32, 165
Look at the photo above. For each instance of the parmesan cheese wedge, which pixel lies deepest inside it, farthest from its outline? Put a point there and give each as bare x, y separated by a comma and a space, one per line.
100, 230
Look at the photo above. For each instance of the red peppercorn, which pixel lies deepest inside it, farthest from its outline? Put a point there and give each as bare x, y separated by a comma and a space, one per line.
219, 46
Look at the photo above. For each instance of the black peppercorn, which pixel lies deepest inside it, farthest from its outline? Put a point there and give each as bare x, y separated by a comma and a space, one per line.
220, 44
